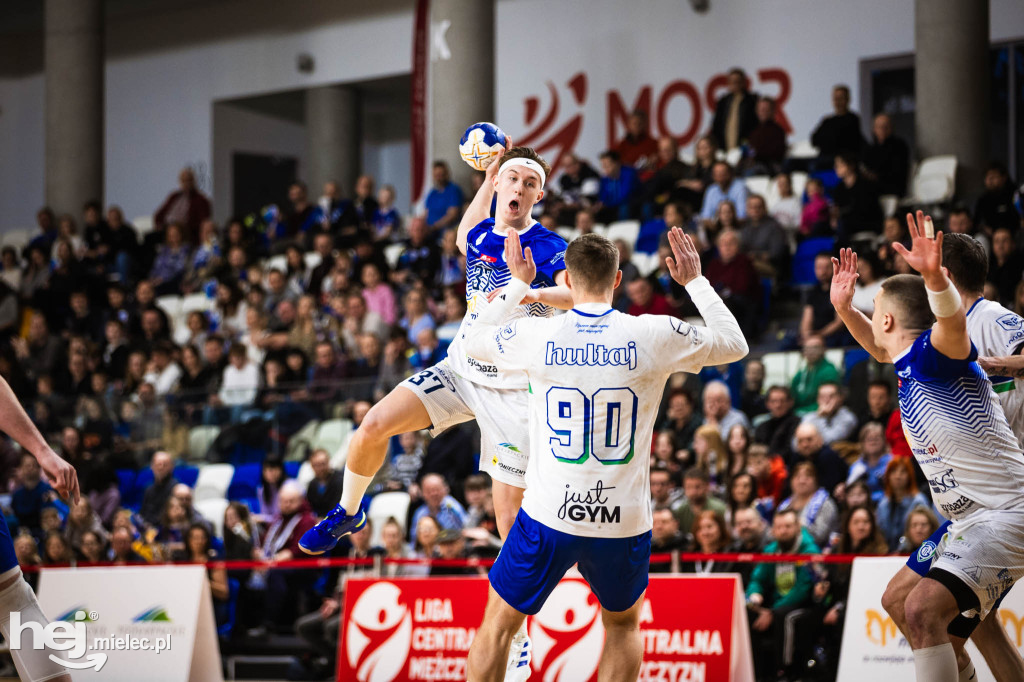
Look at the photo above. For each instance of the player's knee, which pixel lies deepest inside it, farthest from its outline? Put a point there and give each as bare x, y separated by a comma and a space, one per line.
375, 424
893, 600
33, 662
920, 615
620, 621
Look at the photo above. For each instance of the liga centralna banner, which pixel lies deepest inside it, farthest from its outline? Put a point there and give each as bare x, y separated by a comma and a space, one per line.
694, 629
873, 647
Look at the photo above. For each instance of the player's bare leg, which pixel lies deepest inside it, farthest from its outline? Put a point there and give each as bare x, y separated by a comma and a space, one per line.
399, 412
929, 608
32, 664
623, 649
1002, 656
507, 501
895, 596
489, 651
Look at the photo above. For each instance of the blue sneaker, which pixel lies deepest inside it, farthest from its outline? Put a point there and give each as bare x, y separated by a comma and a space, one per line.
325, 535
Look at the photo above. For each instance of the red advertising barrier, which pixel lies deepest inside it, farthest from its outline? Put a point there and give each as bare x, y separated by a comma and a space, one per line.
692, 627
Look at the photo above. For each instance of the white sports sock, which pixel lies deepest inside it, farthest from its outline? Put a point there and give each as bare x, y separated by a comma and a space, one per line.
352, 490
936, 664
968, 674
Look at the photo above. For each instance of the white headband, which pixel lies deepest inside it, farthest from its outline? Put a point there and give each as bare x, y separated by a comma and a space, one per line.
525, 163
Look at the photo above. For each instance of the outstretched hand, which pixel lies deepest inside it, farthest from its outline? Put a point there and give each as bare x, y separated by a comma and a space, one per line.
684, 263
62, 475
520, 263
844, 277
925, 254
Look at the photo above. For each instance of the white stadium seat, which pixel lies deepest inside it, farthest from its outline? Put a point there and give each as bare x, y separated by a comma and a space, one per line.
312, 259
626, 230
803, 149
213, 482
331, 435
200, 438
392, 252
196, 302
213, 511
143, 224
758, 184
383, 507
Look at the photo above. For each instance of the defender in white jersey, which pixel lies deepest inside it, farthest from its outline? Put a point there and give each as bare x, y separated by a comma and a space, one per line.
596, 377
998, 334
958, 434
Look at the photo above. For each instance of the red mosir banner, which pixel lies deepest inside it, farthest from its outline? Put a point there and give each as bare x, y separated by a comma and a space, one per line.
692, 627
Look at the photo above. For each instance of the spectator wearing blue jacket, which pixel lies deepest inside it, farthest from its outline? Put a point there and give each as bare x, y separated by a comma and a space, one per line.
619, 187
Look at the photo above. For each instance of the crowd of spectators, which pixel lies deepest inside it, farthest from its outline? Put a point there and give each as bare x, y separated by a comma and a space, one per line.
319, 308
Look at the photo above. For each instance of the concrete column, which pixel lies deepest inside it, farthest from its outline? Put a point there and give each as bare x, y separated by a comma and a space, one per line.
952, 85
332, 137
73, 59
461, 80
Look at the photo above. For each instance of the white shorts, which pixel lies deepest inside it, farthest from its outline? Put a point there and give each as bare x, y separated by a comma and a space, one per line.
501, 413
986, 552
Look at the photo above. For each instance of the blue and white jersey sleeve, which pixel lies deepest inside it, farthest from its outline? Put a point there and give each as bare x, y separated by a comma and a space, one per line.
958, 432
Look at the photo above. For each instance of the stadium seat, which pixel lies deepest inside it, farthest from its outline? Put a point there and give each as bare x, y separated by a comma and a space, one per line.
646, 263
331, 435
213, 511
143, 224
276, 263
798, 181
803, 260
143, 479
305, 474
601, 229
186, 474
340, 456
567, 233
126, 485
384, 506
196, 302
291, 469
245, 482
17, 238
889, 204
934, 181
758, 184
200, 438
301, 442
392, 252
734, 156
779, 368
213, 481
626, 230
312, 259
803, 149
172, 305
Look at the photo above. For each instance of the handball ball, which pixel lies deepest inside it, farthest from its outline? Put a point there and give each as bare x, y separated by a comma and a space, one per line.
480, 144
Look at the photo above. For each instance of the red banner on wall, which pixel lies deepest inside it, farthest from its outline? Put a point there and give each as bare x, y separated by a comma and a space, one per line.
692, 628
420, 64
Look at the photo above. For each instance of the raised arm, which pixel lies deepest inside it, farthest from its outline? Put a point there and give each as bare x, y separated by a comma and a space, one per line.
844, 276
485, 340
557, 296
480, 208
726, 338
1006, 366
15, 423
949, 335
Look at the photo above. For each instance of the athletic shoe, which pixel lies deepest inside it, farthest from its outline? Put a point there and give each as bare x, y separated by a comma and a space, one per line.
325, 535
518, 668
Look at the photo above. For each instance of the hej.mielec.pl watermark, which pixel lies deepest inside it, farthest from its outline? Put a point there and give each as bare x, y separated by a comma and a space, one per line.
71, 637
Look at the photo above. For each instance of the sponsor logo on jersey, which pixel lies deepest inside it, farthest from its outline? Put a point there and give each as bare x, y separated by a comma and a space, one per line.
1011, 322
944, 482
959, 506
490, 371
488, 259
591, 505
1004, 581
509, 469
483, 236
951, 555
597, 355
926, 551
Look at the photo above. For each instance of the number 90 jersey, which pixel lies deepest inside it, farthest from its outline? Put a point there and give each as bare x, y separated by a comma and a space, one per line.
596, 381
486, 271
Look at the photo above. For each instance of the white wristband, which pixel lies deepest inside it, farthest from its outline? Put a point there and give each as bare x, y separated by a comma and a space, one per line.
701, 292
944, 303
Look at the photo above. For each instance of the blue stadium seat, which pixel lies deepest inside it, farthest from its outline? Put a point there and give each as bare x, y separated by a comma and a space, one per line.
224, 612
245, 482
143, 480
291, 469
803, 261
126, 484
253, 503
186, 474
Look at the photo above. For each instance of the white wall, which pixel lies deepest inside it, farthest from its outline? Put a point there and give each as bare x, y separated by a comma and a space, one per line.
165, 71
238, 129
21, 151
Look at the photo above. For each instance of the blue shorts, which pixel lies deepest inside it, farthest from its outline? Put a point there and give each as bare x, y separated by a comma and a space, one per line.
8, 559
921, 561
535, 557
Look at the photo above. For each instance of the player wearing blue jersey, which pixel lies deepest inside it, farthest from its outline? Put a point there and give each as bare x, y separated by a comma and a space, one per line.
596, 380
463, 387
998, 334
959, 435
15, 594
